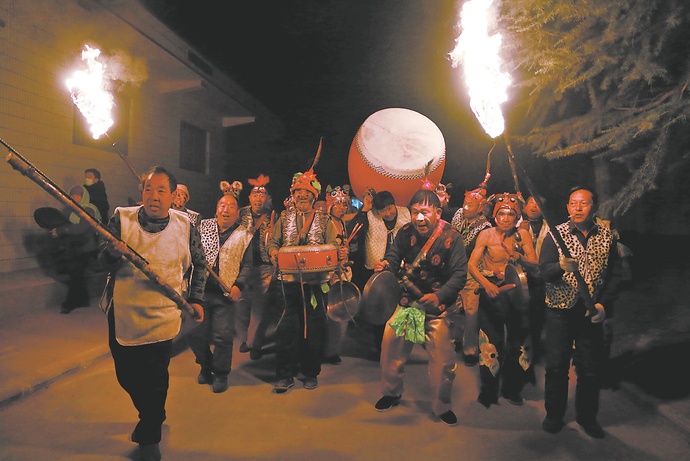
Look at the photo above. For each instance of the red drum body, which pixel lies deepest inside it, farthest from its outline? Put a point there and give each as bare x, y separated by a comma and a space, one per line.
391, 150
311, 262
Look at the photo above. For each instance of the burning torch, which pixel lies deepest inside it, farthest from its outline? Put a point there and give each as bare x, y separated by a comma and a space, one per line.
94, 102
487, 84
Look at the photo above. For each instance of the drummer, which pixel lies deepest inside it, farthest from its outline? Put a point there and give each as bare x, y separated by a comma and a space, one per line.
337, 204
429, 259
502, 361
301, 331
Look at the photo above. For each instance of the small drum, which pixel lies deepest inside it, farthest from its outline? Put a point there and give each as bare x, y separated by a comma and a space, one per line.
308, 261
391, 150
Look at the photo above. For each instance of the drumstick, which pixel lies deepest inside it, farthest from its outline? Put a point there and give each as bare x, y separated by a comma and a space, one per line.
355, 229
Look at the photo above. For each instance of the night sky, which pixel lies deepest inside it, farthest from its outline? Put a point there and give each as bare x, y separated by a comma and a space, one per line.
325, 66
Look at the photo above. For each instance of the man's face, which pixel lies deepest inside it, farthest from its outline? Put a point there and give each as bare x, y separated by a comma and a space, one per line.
580, 206
425, 218
532, 210
179, 199
157, 196
227, 212
389, 213
339, 209
257, 200
90, 179
506, 218
473, 206
304, 200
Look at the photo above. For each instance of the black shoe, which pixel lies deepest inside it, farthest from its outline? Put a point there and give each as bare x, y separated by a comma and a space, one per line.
244, 348
66, 308
205, 377
149, 452
310, 382
387, 402
552, 426
592, 429
332, 360
487, 400
255, 354
449, 418
220, 383
514, 399
283, 385
470, 360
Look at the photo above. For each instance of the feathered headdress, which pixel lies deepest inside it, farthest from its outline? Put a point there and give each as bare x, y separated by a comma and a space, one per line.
259, 184
307, 180
442, 190
231, 189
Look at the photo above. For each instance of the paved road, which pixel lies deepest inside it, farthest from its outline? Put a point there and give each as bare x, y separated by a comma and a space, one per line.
86, 416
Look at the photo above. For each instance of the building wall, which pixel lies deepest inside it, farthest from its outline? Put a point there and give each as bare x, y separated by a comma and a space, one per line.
40, 47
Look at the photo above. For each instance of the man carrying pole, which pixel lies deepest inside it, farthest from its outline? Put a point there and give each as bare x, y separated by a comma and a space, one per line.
142, 321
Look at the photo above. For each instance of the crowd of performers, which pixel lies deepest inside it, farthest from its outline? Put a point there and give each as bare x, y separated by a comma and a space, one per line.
486, 283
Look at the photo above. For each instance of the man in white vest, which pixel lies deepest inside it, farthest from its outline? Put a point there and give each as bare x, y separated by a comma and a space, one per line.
381, 219
225, 243
143, 321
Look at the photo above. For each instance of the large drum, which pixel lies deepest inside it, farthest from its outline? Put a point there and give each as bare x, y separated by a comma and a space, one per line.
391, 150
308, 262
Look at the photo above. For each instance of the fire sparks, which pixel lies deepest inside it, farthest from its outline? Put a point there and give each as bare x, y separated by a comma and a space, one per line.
89, 93
477, 50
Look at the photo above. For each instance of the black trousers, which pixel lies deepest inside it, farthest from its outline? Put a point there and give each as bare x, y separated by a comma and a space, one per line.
301, 332
571, 335
142, 372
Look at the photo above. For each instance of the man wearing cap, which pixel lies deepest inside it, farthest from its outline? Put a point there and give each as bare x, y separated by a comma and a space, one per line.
180, 198
470, 221
258, 216
300, 333
337, 205
503, 326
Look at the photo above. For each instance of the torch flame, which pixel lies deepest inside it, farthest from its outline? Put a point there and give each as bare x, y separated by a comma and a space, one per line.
478, 52
89, 93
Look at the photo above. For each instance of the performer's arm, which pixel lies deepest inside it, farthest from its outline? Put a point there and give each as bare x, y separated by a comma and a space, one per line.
549, 267
473, 265
275, 241
198, 279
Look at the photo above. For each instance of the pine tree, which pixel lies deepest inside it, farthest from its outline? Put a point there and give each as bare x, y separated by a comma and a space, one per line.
607, 79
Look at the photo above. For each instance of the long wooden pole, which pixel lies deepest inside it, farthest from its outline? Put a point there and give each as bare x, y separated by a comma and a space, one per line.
582, 289
19, 163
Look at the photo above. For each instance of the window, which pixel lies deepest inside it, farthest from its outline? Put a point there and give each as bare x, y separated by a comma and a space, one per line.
193, 143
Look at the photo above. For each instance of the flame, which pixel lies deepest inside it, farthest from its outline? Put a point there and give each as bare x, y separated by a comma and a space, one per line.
89, 93
478, 52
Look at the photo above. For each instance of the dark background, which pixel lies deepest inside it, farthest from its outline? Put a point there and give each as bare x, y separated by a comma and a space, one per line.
324, 66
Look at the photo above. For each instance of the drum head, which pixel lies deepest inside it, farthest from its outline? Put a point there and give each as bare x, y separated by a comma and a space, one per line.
519, 295
343, 301
49, 217
380, 297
